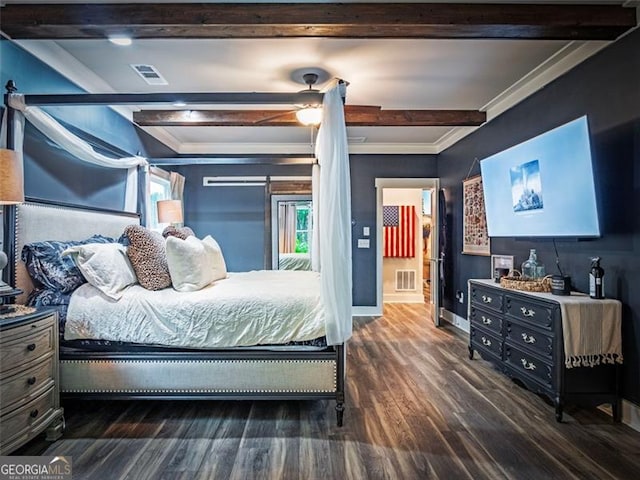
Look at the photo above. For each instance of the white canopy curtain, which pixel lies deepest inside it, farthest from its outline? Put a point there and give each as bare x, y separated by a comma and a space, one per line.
74, 145
334, 218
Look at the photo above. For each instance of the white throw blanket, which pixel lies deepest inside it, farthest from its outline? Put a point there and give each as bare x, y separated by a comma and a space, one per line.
249, 308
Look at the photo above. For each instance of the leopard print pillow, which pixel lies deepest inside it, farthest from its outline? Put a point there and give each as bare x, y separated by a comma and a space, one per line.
148, 256
179, 232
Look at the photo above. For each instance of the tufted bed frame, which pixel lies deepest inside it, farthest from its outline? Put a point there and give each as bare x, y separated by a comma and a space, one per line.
168, 374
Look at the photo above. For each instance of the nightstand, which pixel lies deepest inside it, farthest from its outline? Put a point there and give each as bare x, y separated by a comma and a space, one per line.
29, 379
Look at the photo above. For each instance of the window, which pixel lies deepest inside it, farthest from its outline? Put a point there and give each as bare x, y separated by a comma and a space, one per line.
303, 217
159, 189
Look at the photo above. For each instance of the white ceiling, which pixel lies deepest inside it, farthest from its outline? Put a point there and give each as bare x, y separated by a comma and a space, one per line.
489, 75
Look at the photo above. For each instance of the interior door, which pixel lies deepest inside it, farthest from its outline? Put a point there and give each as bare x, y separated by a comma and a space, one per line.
435, 256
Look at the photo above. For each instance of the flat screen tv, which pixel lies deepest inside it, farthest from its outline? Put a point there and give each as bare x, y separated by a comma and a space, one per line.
543, 187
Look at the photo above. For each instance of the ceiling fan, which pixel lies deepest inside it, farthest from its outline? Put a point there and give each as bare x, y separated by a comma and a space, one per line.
311, 113
308, 113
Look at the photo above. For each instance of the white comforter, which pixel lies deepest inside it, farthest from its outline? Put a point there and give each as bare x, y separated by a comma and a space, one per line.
249, 308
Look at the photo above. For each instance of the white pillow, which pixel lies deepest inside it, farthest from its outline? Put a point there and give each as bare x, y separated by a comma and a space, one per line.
185, 259
218, 264
105, 266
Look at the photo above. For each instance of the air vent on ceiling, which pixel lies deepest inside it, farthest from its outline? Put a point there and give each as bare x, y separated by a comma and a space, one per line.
149, 74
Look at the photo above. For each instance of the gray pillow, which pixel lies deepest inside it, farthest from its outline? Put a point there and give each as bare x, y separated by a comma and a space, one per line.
180, 232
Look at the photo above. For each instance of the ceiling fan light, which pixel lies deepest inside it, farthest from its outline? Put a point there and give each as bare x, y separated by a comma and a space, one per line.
309, 115
120, 40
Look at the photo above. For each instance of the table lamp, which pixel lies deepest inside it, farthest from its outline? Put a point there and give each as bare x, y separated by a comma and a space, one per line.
170, 211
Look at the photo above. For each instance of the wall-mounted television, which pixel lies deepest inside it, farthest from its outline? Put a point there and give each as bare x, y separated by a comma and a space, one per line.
543, 187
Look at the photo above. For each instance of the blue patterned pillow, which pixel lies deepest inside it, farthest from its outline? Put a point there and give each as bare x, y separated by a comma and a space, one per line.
51, 299
51, 271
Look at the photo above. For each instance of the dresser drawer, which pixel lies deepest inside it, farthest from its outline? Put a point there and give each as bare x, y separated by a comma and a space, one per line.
490, 321
24, 385
524, 336
485, 342
486, 297
17, 350
535, 313
29, 417
529, 365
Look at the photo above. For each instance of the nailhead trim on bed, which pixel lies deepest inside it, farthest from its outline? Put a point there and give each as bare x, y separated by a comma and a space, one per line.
335, 377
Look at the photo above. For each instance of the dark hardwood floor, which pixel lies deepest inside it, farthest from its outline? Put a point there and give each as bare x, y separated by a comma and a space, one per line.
417, 408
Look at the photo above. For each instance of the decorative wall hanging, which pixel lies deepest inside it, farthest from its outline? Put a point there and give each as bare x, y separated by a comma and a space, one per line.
475, 239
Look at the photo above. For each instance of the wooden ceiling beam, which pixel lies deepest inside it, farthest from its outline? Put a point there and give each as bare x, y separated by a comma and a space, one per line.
355, 116
336, 20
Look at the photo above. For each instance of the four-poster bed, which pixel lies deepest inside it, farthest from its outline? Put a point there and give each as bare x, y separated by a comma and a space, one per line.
154, 372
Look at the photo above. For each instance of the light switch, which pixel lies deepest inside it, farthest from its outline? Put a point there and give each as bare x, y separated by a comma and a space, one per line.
365, 231
363, 243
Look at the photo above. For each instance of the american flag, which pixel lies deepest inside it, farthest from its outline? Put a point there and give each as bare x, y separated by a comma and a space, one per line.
399, 226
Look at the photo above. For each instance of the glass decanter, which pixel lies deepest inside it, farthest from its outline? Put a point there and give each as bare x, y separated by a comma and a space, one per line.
530, 267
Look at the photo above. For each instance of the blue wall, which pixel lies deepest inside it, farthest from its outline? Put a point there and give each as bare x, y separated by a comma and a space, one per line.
606, 88
51, 173
234, 216
364, 171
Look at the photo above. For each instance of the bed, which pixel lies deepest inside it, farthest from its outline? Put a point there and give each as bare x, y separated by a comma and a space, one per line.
131, 370
294, 261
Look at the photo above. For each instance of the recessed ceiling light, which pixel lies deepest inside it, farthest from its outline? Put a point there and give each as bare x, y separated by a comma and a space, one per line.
120, 40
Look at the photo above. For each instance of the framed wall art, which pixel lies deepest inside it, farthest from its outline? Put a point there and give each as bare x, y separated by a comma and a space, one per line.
475, 239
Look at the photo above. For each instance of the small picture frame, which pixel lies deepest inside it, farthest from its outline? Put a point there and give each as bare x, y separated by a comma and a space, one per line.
499, 266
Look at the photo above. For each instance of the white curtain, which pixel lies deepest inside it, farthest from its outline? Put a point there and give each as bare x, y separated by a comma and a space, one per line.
176, 181
334, 220
74, 145
287, 219
315, 202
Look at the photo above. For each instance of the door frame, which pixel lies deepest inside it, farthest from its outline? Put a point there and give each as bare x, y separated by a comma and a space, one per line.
424, 184
275, 199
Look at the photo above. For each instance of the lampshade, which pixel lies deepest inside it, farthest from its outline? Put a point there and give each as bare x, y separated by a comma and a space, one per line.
169, 211
11, 177
309, 115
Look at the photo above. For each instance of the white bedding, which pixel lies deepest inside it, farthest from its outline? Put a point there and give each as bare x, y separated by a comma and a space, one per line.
294, 261
249, 308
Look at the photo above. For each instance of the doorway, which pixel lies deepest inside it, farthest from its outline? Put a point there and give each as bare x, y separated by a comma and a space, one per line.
409, 275
291, 224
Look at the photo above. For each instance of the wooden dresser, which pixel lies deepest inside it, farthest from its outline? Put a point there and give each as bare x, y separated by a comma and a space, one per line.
29, 386
522, 335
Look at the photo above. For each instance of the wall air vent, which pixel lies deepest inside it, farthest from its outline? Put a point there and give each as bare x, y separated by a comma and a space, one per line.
405, 280
149, 74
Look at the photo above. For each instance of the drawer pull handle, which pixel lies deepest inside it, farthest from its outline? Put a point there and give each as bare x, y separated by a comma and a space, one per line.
528, 365
528, 338
34, 413
31, 380
486, 342
486, 299
527, 312
31, 347
486, 320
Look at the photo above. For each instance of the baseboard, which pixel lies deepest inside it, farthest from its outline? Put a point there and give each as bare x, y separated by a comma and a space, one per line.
455, 320
360, 311
403, 298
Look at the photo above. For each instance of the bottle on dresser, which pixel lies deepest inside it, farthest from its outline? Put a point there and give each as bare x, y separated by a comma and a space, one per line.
596, 280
